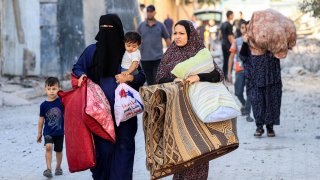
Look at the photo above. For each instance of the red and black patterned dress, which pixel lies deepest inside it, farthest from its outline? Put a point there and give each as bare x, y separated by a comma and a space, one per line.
171, 58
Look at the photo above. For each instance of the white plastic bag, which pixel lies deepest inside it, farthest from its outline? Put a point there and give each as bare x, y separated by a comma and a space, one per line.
127, 103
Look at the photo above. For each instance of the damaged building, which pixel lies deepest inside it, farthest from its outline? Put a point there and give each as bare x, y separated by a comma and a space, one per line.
46, 37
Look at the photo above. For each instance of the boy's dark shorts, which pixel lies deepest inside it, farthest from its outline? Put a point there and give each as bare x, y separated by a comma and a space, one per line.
56, 140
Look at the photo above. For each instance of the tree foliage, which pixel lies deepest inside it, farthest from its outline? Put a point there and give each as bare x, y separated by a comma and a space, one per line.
312, 6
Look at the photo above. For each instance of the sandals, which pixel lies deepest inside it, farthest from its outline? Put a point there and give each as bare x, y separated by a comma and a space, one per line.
47, 173
270, 131
58, 172
259, 131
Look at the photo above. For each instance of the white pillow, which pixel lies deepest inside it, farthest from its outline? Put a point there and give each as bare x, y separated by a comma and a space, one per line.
212, 102
221, 114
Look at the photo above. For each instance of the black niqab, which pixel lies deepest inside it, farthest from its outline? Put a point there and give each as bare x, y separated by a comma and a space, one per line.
110, 47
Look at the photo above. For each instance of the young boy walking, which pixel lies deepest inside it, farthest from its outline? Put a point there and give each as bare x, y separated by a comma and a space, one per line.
51, 121
240, 73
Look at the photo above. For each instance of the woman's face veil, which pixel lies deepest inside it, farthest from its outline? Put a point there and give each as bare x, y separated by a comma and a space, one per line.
110, 46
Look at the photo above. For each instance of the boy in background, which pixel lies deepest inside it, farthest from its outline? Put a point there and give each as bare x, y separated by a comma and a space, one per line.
240, 73
51, 120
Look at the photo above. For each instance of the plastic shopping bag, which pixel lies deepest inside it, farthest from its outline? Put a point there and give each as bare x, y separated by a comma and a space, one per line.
127, 103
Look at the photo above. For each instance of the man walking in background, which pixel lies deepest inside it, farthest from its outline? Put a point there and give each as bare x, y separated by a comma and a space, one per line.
227, 39
169, 24
152, 32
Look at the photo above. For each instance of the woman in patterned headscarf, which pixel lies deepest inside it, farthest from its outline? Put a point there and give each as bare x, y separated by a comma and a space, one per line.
187, 43
101, 63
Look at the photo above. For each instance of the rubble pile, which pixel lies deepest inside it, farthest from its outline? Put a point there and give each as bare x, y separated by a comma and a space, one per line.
303, 58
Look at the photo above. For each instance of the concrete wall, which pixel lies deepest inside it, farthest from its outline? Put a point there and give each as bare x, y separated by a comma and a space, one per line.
50, 54
128, 12
52, 34
71, 33
92, 10
21, 54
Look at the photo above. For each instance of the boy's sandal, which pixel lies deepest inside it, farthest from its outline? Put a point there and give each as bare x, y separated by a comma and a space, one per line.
58, 172
47, 173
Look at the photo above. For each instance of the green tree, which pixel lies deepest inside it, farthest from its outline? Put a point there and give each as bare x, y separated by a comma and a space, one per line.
312, 6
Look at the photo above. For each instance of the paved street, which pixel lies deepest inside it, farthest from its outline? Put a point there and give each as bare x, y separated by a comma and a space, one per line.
292, 155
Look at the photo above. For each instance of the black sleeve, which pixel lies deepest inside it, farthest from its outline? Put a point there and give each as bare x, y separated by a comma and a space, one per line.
138, 79
213, 76
165, 80
245, 51
229, 29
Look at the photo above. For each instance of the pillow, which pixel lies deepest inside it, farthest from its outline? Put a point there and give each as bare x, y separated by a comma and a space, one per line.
212, 102
221, 114
202, 62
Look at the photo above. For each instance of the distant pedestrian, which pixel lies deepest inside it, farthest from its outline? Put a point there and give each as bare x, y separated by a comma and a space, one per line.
169, 24
152, 32
237, 23
51, 121
240, 74
131, 57
227, 39
194, 21
143, 12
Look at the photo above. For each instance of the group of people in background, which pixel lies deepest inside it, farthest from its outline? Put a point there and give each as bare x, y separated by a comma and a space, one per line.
109, 62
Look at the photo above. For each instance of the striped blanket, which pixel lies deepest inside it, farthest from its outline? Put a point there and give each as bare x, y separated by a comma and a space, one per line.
212, 102
175, 138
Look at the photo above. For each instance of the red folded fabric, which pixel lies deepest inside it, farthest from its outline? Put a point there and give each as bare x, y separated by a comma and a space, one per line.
98, 108
79, 142
86, 110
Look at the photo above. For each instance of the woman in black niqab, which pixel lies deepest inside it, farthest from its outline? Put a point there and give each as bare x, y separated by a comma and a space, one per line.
101, 63
110, 47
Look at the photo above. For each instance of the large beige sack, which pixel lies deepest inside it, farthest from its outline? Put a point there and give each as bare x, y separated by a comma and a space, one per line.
269, 30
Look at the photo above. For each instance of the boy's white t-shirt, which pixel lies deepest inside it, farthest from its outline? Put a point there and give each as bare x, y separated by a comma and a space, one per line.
128, 58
